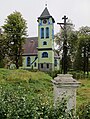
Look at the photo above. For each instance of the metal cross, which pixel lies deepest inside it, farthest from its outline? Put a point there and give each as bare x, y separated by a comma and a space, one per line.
65, 47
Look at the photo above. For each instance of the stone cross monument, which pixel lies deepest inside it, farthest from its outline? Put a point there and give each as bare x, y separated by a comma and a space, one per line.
65, 87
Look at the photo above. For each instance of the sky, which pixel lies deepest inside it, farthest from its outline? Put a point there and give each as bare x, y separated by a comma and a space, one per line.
78, 11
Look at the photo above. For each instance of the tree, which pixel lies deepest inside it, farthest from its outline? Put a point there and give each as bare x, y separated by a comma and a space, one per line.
83, 52
71, 43
15, 30
3, 48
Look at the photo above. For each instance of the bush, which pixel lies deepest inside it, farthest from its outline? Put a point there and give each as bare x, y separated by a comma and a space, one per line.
53, 74
13, 106
77, 75
84, 111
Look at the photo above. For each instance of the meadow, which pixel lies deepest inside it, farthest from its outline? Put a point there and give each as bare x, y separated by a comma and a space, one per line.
24, 92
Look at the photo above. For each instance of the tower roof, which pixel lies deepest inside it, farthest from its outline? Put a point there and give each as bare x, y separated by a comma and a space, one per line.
46, 14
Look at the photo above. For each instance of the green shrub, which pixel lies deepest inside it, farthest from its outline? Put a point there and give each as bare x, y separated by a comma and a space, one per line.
77, 74
84, 111
28, 95
13, 106
53, 74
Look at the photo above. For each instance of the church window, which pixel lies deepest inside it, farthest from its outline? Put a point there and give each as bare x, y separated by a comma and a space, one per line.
55, 62
28, 61
44, 55
41, 65
44, 43
47, 32
42, 33
35, 64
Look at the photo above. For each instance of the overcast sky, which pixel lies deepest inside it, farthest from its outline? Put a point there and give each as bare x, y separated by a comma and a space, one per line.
76, 10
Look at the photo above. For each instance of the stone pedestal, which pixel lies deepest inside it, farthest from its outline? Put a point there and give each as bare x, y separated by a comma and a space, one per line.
65, 87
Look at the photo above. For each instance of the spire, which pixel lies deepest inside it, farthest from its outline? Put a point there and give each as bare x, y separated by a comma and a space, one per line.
45, 13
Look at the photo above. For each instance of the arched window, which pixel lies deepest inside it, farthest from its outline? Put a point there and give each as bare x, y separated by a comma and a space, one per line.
47, 32
28, 61
44, 55
55, 62
44, 43
42, 33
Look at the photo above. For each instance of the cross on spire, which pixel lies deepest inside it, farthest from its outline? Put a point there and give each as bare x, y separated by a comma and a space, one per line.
46, 4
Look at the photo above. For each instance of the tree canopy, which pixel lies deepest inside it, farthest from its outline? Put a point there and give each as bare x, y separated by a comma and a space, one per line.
15, 31
83, 49
76, 41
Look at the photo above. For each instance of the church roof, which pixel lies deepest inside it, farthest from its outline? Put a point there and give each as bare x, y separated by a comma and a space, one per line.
30, 46
46, 14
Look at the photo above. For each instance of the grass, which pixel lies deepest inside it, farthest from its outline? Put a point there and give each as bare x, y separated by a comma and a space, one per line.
31, 84
37, 84
18, 75
83, 92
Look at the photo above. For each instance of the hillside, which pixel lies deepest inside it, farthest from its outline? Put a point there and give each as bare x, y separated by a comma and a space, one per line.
37, 83
26, 93
31, 84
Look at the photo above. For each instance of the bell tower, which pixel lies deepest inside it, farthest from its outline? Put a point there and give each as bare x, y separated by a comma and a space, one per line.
46, 41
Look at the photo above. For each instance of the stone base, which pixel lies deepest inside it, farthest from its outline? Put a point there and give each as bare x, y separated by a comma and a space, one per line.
65, 87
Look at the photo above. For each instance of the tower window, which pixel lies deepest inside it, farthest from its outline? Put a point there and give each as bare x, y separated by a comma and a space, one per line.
42, 32
40, 22
52, 33
28, 61
47, 32
44, 55
44, 43
55, 62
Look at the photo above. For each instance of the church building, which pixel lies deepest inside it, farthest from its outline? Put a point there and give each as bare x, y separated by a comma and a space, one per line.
39, 51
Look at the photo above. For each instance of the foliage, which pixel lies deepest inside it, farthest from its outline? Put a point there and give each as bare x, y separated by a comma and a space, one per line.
35, 82
77, 74
14, 106
15, 31
84, 43
3, 49
84, 31
84, 111
29, 96
76, 40
83, 49
53, 74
